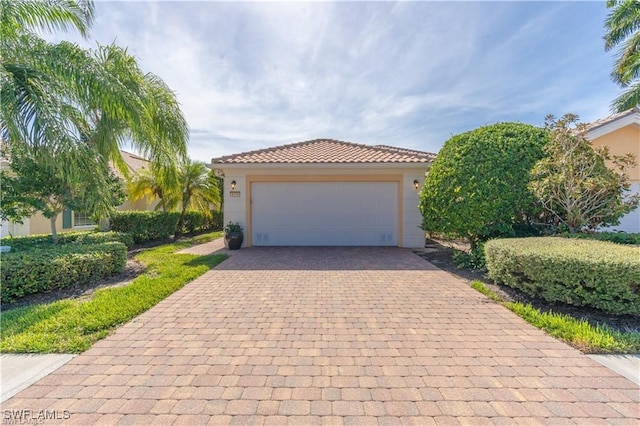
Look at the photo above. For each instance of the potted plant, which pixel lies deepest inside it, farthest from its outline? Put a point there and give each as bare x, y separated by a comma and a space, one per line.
233, 236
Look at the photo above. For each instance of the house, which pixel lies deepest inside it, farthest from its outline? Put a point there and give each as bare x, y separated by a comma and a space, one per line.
73, 220
325, 192
621, 133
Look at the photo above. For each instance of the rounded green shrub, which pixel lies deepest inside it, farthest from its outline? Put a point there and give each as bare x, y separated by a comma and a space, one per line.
477, 185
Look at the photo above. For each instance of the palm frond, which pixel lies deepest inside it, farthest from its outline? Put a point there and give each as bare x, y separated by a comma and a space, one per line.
48, 15
630, 98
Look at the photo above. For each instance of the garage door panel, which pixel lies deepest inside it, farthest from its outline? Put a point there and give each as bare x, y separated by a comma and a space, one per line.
324, 213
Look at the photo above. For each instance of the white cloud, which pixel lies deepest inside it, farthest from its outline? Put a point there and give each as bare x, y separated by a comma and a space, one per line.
251, 75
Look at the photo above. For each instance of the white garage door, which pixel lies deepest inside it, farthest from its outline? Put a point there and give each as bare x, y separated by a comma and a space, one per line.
324, 213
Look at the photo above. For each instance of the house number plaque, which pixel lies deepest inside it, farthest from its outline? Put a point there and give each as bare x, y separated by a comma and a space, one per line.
234, 194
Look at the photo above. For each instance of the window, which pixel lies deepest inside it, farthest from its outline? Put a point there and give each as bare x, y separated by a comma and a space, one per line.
82, 219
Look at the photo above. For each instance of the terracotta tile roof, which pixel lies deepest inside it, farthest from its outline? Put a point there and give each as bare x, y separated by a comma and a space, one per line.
604, 121
135, 162
327, 151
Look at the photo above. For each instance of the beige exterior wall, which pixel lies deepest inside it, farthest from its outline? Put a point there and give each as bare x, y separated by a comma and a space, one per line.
623, 138
140, 205
623, 141
238, 209
38, 224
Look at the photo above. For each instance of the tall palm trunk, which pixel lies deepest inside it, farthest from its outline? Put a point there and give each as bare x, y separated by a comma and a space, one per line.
185, 203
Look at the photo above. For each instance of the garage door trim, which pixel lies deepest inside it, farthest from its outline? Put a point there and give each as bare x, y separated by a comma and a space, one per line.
322, 178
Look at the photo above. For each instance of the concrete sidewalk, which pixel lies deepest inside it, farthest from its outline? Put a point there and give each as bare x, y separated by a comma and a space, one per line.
21, 371
625, 365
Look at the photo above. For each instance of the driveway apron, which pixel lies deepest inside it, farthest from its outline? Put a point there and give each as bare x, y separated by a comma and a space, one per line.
330, 336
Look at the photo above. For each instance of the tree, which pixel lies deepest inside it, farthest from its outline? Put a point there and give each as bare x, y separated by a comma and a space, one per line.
29, 187
68, 108
151, 184
477, 186
195, 189
16, 16
65, 99
623, 29
199, 189
573, 182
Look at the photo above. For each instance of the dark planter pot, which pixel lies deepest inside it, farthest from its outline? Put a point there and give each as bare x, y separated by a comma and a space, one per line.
233, 240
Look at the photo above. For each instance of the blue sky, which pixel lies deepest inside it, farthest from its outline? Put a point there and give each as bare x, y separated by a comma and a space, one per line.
408, 74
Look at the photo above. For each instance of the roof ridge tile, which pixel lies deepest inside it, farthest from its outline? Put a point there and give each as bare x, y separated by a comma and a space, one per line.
325, 150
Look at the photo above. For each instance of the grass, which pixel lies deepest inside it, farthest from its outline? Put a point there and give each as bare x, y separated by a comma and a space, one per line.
578, 333
72, 326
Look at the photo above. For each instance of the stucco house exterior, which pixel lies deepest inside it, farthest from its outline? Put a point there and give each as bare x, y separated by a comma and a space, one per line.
325, 192
621, 133
72, 220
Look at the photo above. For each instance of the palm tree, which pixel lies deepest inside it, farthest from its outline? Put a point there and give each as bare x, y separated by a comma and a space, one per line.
196, 189
73, 109
198, 185
151, 184
623, 29
16, 16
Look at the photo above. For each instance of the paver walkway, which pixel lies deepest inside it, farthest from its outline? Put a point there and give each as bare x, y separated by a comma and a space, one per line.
331, 336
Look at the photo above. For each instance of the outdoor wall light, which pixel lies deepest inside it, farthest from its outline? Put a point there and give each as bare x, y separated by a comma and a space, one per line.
233, 185
416, 184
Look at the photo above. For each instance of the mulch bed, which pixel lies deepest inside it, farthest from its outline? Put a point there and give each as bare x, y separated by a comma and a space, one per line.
441, 255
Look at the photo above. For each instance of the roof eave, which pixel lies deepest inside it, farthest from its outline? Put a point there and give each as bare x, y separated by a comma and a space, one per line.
632, 118
388, 165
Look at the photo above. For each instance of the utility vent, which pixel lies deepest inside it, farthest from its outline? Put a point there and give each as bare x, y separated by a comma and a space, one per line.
262, 238
386, 238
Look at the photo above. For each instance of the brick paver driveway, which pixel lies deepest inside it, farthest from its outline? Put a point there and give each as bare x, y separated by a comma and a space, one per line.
325, 335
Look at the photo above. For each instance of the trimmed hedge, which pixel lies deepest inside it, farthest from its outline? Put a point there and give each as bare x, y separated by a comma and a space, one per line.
145, 226
57, 266
193, 222
28, 242
596, 274
614, 237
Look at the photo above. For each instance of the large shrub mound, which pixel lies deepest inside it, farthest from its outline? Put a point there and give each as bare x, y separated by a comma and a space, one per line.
596, 274
52, 267
477, 186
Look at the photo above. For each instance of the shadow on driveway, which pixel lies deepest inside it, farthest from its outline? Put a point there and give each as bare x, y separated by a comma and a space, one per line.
326, 259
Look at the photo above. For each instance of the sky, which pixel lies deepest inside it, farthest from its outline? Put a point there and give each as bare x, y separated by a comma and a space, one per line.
251, 75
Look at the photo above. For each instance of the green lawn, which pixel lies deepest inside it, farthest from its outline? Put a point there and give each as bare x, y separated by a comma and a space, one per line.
72, 326
577, 333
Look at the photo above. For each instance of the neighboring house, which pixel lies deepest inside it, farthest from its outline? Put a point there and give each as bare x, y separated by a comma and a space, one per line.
326, 193
621, 133
73, 220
